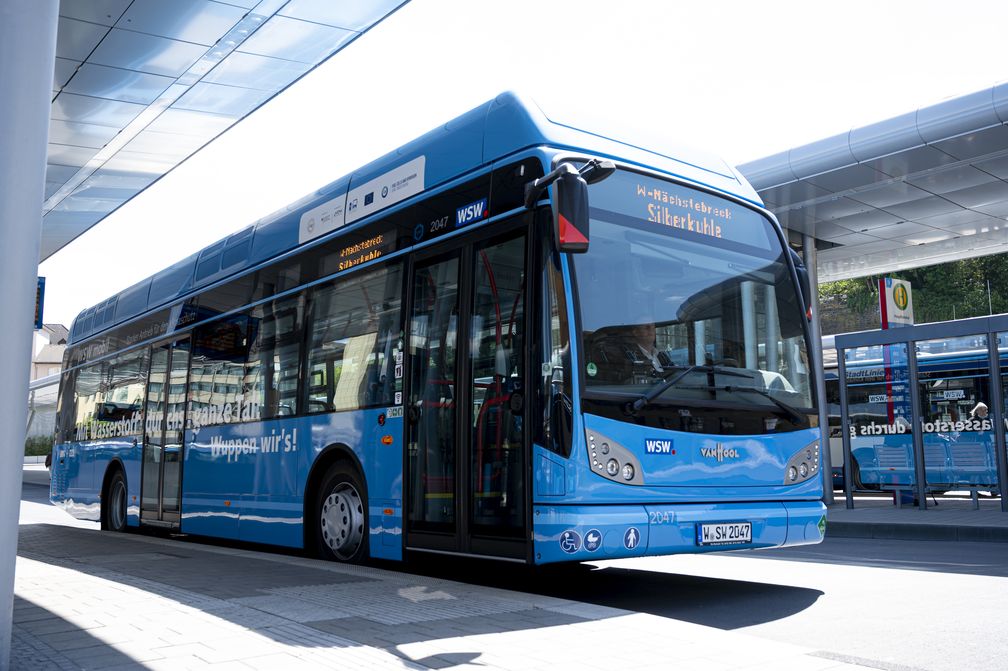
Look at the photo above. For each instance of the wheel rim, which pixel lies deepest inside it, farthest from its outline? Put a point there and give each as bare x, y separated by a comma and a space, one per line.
342, 521
117, 506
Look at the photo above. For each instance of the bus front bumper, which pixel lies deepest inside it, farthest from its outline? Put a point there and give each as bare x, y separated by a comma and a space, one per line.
584, 533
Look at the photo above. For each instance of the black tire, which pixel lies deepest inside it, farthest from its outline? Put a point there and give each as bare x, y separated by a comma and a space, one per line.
341, 516
113, 509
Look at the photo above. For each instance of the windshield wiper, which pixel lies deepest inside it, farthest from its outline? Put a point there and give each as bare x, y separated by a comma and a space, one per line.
793, 413
672, 378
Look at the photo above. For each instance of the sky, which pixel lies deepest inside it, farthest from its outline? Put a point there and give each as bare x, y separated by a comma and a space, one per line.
740, 79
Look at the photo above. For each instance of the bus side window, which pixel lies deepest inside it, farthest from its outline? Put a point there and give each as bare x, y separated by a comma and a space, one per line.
353, 341
275, 354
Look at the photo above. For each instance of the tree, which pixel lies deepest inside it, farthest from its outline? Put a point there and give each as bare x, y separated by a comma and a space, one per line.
954, 290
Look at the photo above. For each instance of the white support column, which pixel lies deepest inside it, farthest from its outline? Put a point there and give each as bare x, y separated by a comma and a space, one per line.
819, 377
27, 57
700, 342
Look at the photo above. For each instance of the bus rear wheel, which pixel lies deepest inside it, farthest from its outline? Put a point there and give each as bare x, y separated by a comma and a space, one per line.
113, 516
341, 527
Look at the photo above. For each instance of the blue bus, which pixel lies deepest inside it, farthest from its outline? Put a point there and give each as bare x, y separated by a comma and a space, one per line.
510, 338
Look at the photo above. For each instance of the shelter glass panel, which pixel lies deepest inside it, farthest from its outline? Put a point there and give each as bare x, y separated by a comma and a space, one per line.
880, 417
958, 433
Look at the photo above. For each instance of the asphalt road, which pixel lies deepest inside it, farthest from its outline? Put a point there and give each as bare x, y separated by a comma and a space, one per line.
896, 605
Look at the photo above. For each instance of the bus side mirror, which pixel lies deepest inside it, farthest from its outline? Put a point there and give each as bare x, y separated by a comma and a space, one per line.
570, 200
570, 213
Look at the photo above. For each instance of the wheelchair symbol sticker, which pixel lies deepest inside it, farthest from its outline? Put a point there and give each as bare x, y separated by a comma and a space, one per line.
631, 538
570, 541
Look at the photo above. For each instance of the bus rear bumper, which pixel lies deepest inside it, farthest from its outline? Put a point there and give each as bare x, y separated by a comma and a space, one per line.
583, 533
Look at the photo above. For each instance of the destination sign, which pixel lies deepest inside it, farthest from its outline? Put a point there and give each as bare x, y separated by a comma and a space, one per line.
682, 211
372, 247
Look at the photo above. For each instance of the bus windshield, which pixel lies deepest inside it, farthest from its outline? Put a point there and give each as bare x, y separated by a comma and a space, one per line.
690, 292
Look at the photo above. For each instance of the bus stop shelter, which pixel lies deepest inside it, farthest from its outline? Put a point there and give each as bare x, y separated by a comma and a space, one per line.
923, 410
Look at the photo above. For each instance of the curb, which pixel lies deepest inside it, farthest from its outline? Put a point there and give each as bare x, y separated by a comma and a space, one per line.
919, 532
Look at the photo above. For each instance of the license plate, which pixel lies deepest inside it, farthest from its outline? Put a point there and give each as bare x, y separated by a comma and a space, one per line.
724, 533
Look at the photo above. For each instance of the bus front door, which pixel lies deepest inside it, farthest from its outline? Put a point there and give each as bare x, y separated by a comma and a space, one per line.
467, 450
161, 481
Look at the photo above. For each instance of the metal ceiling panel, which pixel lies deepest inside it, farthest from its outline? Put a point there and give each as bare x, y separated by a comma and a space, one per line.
59, 173
146, 53
63, 71
849, 239
75, 40
864, 222
82, 134
139, 85
229, 100
922, 207
169, 145
978, 196
954, 178
354, 15
140, 163
836, 208
101, 12
62, 154
976, 144
257, 72
115, 84
901, 230
294, 40
197, 21
796, 192
950, 220
997, 166
985, 224
889, 194
999, 209
191, 122
98, 111
850, 177
911, 161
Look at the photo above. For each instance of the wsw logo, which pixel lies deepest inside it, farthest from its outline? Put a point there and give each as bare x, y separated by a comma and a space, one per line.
655, 446
471, 212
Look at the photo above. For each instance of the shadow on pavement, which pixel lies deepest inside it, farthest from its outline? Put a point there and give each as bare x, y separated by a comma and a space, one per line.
713, 602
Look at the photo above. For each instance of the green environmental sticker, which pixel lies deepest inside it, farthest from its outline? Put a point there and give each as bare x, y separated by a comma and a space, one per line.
822, 525
592, 369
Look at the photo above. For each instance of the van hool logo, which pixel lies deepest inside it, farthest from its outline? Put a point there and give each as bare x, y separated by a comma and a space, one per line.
720, 452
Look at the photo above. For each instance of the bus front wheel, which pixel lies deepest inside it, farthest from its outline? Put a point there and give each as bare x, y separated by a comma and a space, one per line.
113, 516
341, 527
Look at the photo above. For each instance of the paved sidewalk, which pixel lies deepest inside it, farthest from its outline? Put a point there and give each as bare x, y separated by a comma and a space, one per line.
950, 519
87, 599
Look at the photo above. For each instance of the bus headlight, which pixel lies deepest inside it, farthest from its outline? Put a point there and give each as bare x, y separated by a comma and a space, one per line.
803, 465
611, 460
